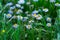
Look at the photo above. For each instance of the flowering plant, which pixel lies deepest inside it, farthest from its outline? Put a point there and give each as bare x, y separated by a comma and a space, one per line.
29, 19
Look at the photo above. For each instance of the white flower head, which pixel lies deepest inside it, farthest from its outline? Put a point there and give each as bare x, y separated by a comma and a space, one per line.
22, 7
25, 18
19, 11
19, 17
45, 10
9, 4
28, 3
15, 26
31, 21
27, 12
39, 17
18, 5
34, 15
57, 4
48, 24
13, 7
14, 17
28, 26
21, 2
48, 19
52, 1
10, 11
35, 11
8, 16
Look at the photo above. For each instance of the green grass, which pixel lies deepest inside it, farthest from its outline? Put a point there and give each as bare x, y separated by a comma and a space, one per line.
39, 30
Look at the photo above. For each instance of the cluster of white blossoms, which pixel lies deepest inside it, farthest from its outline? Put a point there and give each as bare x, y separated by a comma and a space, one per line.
48, 19
29, 19
17, 10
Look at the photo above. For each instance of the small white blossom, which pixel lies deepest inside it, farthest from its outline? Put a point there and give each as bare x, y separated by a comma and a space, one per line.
28, 3
48, 19
21, 2
9, 4
18, 5
31, 21
14, 17
22, 7
19, 11
35, 11
19, 17
25, 18
27, 12
52, 1
45, 10
39, 17
10, 11
13, 7
34, 15
8, 16
48, 24
28, 26
57, 4
15, 26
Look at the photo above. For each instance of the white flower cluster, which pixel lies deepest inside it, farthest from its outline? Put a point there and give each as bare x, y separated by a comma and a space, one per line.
30, 16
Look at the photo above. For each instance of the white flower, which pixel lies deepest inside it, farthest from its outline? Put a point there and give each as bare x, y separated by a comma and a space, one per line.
39, 17
34, 15
10, 11
45, 10
28, 3
21, 2
28, 26
22, 7
27, 12
48, 24
8, 15
18, 5
25, 18
19, 17
9, 4
13, 7
48, 19
35, 11
57, 4
52, 1
35, 0
14, 17
31, 21
19, 11
15, 26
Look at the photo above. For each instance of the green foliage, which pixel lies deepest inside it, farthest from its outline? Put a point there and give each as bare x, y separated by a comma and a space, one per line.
27, 24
